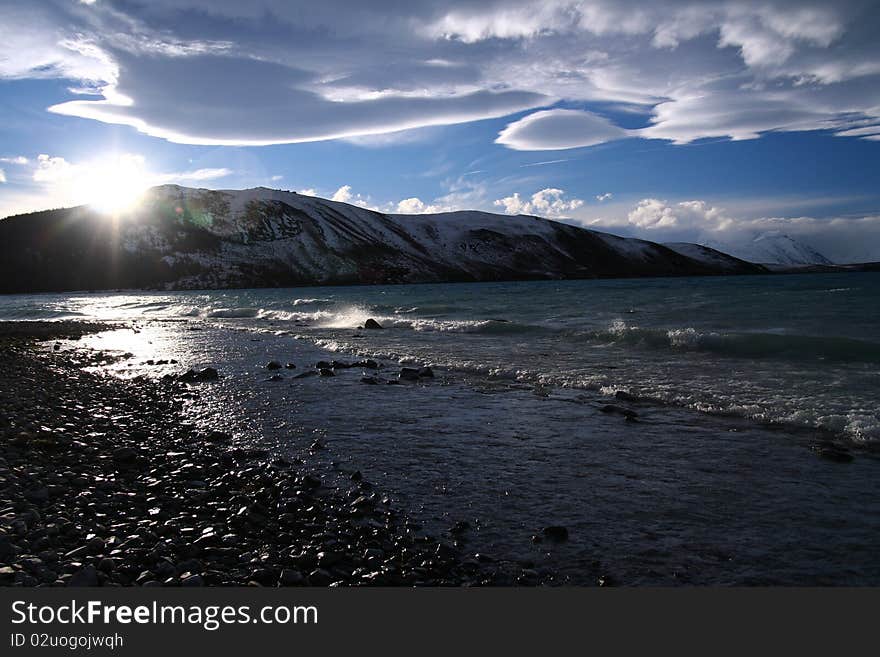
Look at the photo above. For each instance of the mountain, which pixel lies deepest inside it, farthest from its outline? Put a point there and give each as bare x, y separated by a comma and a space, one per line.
709, 256
182, 238
774, 247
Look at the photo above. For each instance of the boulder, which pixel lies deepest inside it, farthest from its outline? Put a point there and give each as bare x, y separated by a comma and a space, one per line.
409, 374
372, 324
193, 376
87, 576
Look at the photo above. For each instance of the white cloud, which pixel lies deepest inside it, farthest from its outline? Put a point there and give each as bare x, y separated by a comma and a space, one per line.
604, 197
415, 205
345, 195
717, 68
53, 169
197, 175
2, 176
558, 129
549, 202
18, 159
653, 214
276, 178
309, 191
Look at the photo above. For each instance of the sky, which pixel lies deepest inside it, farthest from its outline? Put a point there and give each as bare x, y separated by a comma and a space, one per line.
670, 120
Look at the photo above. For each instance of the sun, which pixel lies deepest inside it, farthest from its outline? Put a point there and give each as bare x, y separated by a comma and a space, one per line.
115, 184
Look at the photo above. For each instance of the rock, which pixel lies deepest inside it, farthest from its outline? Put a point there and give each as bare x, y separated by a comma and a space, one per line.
619, 410
408, 374
369, 380
340, 365
125, 455
87, 576
625, 396
372, 324
39, 494
107, 565
290, 577
369, 364
290, 366
329, 558
356, 476
193, 580
556, 532
273, 365
306, 374
325, 371
323, 365
320, 577
7, 549
192, 376
426, 373
832, 452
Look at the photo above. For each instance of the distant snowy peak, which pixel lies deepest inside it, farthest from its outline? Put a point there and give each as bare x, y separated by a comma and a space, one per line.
773, 248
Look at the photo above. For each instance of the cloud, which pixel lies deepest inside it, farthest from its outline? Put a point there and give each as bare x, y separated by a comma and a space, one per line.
345, 195
842, 239
221, 72
53, 169
220, 99
604, 197
415, 205
18, 159
549, 202
197, 175
558, 129
2, 176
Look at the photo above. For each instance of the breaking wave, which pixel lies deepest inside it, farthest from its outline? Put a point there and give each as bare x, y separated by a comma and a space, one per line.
745, 345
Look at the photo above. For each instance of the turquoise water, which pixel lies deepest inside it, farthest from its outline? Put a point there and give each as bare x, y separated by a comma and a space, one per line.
800, 350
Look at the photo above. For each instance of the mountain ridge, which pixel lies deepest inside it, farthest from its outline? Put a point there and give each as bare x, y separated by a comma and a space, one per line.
186, 238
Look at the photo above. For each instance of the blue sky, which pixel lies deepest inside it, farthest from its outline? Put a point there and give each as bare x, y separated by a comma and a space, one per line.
669, 120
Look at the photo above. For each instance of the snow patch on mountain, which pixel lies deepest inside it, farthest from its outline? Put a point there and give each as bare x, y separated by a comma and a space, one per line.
773, 247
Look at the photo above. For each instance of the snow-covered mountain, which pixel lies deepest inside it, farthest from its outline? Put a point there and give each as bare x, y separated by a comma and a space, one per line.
773, 247
196, 238
708, 256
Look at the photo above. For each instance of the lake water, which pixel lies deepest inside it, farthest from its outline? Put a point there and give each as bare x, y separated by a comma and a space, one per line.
735, 378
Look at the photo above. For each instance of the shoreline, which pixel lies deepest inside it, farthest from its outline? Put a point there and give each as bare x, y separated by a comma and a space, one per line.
102, 483
794, 270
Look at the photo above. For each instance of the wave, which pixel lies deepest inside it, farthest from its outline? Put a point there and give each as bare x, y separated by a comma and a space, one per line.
858, 425
743, 345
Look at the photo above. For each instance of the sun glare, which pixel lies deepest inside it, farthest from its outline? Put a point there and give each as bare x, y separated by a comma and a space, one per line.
115, 184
